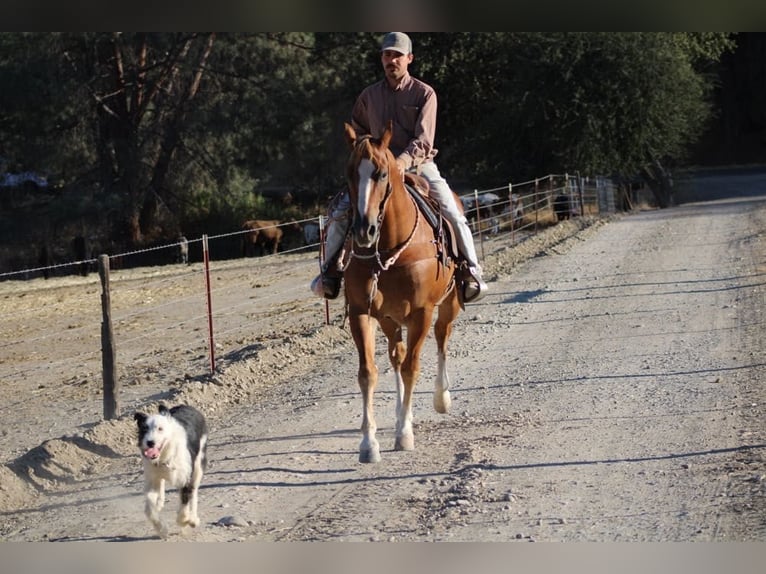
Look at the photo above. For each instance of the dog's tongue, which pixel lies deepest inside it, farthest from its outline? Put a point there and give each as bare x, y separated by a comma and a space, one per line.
152, 452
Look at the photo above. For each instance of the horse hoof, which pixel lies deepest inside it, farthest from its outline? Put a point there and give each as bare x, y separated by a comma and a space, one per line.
442, 402
372, 455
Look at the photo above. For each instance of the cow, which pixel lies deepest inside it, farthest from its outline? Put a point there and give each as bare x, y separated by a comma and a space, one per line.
263, 234
562, 207
293, 235
489, 208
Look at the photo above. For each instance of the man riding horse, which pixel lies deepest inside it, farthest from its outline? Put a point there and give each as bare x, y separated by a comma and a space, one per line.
410, 105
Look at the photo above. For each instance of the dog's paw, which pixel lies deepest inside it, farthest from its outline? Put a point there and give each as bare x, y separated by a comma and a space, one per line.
162, 531
187, 520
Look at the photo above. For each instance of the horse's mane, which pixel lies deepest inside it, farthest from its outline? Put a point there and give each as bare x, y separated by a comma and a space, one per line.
363, 146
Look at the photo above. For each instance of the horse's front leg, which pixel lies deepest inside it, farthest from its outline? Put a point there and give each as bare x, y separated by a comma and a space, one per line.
417, 330
363, 331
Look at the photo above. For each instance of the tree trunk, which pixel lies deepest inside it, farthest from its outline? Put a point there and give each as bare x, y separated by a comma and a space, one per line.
659, 181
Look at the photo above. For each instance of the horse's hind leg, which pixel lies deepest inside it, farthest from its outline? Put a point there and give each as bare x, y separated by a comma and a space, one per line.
363, 331
396, 354
448, 311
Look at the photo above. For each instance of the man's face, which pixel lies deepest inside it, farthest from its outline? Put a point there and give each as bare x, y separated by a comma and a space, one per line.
395, 64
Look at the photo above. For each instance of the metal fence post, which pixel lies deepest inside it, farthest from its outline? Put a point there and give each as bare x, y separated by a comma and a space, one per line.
206, 259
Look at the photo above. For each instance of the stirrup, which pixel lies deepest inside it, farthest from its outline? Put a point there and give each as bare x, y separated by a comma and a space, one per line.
474, 287
326, 286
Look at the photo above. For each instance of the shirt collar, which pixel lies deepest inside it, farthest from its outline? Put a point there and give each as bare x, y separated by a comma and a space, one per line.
402, 83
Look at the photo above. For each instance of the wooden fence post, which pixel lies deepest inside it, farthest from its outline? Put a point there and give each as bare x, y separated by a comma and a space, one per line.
109, 371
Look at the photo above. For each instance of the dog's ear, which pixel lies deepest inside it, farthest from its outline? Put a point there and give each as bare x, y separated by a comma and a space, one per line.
140, 418
164, 410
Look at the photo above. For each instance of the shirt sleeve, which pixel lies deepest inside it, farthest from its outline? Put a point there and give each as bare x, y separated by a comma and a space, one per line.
359, 115
421, 147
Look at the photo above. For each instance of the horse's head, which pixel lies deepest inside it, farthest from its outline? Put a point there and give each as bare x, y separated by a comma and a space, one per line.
371, 169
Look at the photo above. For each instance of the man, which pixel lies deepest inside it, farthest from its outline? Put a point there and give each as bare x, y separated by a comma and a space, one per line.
411, 105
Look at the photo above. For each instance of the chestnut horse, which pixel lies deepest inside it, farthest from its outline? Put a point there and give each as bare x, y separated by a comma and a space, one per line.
396, 275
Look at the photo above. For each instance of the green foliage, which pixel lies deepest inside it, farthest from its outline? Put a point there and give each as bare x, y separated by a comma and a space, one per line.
41, 124
174, 131
527, 104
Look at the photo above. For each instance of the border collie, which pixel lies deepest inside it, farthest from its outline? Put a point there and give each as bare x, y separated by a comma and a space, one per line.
173, 446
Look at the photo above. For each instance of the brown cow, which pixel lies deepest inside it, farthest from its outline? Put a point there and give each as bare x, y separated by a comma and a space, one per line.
263, 234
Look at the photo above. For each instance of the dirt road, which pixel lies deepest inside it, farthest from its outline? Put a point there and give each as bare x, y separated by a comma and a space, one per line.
609, 388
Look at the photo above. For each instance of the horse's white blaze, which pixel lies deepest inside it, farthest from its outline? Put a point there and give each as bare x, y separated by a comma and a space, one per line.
366, 169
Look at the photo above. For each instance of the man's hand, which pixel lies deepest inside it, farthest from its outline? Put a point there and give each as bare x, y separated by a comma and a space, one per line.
402, 165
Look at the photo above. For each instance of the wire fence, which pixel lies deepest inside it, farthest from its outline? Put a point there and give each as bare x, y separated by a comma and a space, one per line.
51, 344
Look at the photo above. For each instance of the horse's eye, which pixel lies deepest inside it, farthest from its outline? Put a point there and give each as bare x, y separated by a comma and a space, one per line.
382, 175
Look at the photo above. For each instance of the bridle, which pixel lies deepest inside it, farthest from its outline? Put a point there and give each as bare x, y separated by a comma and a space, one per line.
376, 255
380, 265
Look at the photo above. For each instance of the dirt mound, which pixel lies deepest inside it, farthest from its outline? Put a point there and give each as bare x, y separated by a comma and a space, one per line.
15, 493
70, 458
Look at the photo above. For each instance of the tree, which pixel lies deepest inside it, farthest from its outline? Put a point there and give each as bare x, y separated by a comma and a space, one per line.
598, 103
165, 127
121, 100
184, 130
142, 86
41, 127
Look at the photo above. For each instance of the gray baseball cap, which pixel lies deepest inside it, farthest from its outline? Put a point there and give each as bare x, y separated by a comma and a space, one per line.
397, 41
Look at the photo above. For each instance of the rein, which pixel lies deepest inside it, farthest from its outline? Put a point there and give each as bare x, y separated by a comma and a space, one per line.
384, 266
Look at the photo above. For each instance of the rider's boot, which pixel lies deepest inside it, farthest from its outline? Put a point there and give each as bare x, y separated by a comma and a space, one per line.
472, 284
327, 283
474, 287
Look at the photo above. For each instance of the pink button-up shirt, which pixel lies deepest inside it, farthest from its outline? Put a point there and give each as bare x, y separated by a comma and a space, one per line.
411, 106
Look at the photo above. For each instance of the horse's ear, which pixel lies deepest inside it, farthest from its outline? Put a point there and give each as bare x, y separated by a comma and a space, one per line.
384, 141
350, 134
